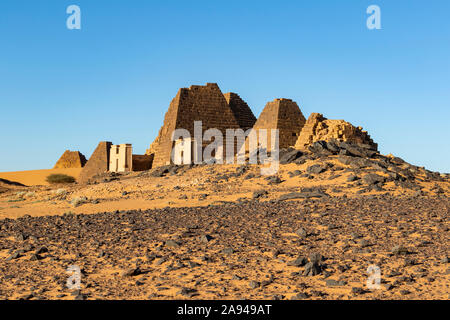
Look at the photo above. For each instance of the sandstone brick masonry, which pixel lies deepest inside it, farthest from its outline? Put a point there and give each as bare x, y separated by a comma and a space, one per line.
319, 128
98, 163
71, 159
229, 111
241, 111
142, 162
199, 103
284, 115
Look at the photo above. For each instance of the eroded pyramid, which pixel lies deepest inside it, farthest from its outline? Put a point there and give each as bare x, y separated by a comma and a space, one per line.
284, 115
319, 128
98, 162
71, 159
199, 103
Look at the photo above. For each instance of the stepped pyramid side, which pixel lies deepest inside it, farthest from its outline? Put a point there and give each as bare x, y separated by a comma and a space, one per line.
196, 103
242, 112
98, 162
163, 144
284, 115
319, 128
71, 159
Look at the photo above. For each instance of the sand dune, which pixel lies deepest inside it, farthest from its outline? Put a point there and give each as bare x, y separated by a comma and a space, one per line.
37, 177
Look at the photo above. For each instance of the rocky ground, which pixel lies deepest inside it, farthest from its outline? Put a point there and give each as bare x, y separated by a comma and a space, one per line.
227, 232
313, 249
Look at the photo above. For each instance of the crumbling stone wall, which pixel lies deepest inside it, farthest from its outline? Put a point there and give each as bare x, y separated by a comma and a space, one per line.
71, 159
319, 128
197, 103
142, 162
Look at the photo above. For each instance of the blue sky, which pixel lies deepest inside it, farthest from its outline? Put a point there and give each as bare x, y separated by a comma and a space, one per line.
114, 79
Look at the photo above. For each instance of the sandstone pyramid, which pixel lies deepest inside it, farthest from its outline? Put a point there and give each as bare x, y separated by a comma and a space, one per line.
284, 115
241, 111
319, 128
71, 159
199, 103
98, 162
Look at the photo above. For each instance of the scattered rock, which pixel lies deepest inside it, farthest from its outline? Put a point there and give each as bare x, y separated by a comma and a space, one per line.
15, 255
41, 250
316, 258
171, 244
399, 250
161, 260
405, 292
358, 291
300, 296
301, 233
299, 262
274, 180
206, 238
312, 269
254, 284
35, 257
311, 193
228, 250
132, 272
334, 283
21, 237
372, 178
315, 169
363, 243
289, 155
187, 292
259, 194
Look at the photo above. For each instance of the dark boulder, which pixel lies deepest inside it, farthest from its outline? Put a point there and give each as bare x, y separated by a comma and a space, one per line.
289, 155
315, 169
372, 178
304, 194
320, 147
358, 150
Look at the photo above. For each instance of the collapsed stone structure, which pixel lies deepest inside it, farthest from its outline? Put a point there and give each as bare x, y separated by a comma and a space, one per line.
71, 159
200, 103
319, 128
98, 162
142, 162
216, 110
228, 111
113, 158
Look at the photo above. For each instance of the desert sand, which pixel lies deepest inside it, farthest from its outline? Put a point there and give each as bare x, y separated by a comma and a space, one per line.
227, 232
37, 177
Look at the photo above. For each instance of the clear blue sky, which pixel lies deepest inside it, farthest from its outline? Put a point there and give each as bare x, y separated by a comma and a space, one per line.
114, 79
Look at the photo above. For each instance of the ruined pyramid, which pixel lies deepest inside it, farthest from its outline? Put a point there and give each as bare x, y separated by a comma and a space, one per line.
98, 162
199, 103
319, 128
284, 115
70, 159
